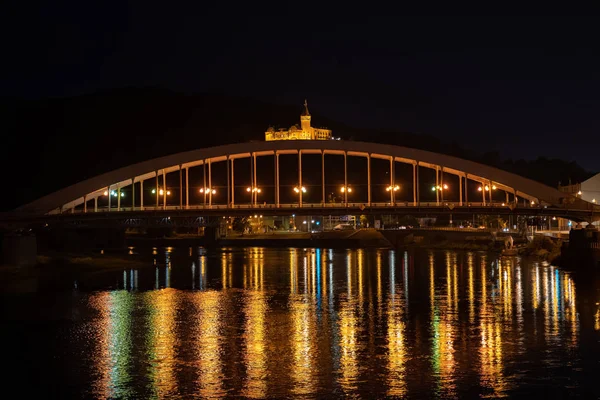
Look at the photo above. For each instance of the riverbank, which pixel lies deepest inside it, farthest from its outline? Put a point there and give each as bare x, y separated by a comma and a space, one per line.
362, 238
62, 269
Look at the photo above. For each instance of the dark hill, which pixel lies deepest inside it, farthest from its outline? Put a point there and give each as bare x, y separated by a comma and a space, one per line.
52, 143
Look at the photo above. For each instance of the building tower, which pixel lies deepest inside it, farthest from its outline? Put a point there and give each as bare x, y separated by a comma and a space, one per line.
305, 120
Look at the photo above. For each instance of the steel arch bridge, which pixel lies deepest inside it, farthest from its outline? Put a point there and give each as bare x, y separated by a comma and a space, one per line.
522, 195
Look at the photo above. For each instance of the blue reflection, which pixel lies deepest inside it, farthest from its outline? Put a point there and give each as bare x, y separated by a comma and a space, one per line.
318, 273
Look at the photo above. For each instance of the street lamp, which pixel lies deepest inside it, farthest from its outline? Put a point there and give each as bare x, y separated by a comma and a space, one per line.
254, 191
161, 192
301, 189
345, 189
208, 190
392, 188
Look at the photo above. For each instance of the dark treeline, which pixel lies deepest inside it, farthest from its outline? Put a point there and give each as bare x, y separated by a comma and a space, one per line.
49, 144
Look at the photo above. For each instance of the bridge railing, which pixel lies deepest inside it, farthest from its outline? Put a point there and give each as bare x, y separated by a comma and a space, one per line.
355, 206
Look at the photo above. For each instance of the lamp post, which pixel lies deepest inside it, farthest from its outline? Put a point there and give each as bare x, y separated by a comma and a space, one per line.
300, 190
159, 193
207, 191
439, 189
254, 191
486, 188
346, 190
392, 190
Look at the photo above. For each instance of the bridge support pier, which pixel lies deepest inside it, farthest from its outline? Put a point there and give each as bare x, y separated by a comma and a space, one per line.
460, 190
276, 179
164, 190
322, 176
346, 178
187, 188
300, 177
368, 180
232, 183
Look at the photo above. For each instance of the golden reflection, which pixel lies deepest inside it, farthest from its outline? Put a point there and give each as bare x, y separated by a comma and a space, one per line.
206, 344
303, 346
471, 289
254, 270
396, 351
349, 271
490, 354
349, 346
535, 293
490, 351
556, 300
202, 273
444, 338
546, 297
162, 339
360, 257
227, 270
506, 288
255, 336
114, 356
379, 297
519, 294
293, 271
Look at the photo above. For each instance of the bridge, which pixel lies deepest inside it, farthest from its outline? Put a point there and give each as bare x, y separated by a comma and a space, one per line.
185, 186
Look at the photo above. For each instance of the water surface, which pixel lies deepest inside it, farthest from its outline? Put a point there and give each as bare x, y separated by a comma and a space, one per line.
306, 323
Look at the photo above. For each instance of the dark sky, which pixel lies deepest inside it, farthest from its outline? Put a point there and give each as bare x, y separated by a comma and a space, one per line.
525, 86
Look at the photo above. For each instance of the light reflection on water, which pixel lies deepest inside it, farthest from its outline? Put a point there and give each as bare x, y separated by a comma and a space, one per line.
263, 323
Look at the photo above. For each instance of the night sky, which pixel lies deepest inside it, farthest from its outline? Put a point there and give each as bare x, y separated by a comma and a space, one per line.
523, 86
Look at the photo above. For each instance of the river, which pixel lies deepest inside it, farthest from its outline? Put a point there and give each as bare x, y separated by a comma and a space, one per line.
306, 323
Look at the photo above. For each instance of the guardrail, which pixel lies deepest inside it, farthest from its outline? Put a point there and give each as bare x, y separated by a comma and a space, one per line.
291, 206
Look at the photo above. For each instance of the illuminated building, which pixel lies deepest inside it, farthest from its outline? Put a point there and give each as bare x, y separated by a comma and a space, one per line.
302, 132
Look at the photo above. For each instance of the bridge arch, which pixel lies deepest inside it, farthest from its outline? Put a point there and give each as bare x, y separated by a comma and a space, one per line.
90, 189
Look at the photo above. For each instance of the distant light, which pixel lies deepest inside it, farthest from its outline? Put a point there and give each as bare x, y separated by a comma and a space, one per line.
445, 186
122, 194
318, 222
106, 193
168, 192
248, 189
304, 222
214, 191
493, 187
312, 222
293, 215
479, 188
579, 193
153, 191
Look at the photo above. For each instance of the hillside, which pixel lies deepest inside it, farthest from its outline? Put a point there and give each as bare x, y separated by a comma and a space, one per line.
58, 142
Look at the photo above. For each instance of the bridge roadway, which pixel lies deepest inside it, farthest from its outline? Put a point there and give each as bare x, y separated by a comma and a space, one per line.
201, 215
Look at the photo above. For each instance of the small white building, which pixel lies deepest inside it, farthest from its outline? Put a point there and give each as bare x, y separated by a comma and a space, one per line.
588, 190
